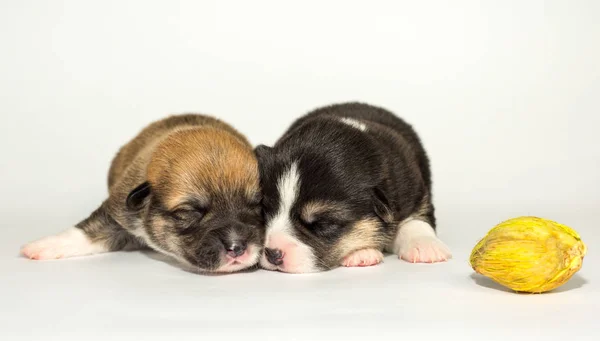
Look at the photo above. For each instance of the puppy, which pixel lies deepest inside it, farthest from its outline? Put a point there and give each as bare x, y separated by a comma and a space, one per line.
186, 186
343, 184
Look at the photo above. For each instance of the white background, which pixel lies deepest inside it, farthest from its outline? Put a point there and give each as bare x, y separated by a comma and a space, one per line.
505, 95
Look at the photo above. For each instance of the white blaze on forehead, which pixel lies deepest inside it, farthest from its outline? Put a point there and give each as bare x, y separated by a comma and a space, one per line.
287, 186
298, 257
354, 123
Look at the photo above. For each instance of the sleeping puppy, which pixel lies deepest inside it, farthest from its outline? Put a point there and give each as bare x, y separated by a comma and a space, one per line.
186, 186
343, 184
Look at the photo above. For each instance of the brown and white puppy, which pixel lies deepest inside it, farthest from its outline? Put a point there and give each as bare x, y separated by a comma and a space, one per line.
186, 186
343, 184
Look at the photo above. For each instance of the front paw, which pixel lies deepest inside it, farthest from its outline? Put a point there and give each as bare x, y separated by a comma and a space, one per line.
424, 249
365, 257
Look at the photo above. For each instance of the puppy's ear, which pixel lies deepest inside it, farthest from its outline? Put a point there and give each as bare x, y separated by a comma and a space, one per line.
381, 205
137, 197
263, 151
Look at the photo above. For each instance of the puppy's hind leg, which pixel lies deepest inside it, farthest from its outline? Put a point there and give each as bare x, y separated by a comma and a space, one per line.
97, 234
416, 240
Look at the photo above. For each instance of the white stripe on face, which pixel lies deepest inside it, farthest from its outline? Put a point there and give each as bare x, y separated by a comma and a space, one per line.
354, 123
298, 257
288, 192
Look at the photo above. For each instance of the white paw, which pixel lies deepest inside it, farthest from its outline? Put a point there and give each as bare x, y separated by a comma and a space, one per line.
416, 242
365, 257
70, 243
425, 249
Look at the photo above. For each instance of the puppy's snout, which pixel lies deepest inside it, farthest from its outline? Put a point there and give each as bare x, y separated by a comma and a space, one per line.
235, 248
274, 256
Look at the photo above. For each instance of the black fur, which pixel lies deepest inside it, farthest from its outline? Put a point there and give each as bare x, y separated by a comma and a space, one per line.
100, 226
380, 173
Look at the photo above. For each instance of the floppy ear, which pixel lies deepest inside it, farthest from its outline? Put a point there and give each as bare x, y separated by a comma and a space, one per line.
137, 197
381, 205
262, 151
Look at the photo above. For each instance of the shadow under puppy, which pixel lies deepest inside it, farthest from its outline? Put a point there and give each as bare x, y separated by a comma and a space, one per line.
343, 184
186, 186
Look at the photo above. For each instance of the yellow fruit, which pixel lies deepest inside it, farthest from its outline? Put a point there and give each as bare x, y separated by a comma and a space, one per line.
529, 254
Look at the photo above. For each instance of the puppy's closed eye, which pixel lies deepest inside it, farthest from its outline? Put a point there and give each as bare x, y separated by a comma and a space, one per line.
323, 227
188, 214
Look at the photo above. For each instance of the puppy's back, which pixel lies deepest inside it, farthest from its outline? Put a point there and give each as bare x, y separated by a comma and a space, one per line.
144, 141
362, 112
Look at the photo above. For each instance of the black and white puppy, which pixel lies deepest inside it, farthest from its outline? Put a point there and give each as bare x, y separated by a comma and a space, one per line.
343, 184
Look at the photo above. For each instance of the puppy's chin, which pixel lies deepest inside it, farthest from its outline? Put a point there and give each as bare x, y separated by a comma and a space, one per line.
226, 264
245, 261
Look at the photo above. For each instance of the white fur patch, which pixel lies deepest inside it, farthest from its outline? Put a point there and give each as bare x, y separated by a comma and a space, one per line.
288, 191
72, 242
354, 123
298, 257
416, 242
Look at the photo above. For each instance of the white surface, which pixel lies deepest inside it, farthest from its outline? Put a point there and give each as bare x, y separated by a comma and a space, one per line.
505, 95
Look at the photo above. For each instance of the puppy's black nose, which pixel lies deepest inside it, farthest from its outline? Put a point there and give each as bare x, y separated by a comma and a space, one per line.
274, 256
235, 249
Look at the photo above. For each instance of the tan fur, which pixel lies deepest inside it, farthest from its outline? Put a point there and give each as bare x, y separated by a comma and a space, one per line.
146, 139
183, 143
184, 165
314, 208
362, 236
